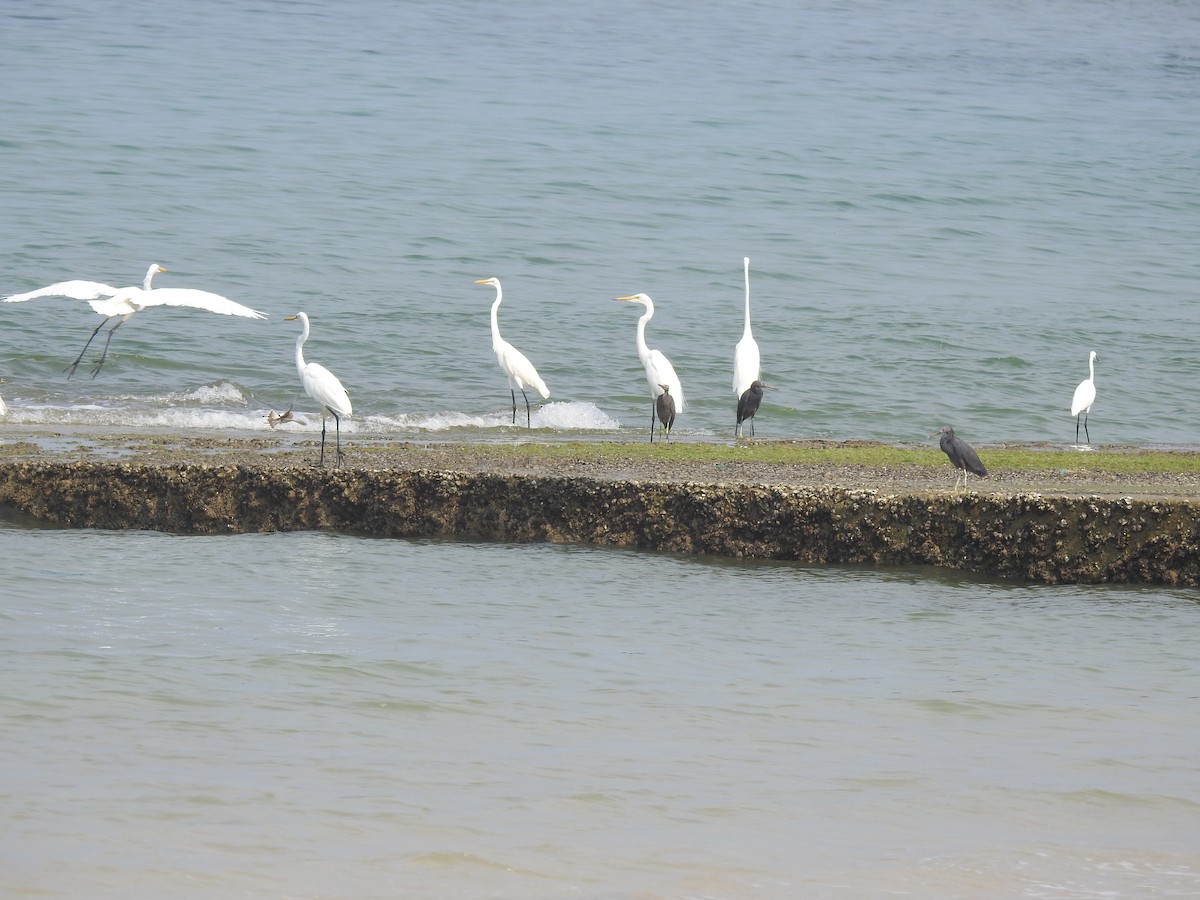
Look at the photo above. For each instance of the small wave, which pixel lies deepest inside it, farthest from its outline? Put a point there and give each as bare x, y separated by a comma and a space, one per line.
561, 416
222, 392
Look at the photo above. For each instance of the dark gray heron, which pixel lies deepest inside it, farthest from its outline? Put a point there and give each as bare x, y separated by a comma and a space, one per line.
1085, 396
665, 405
962, 455
748, 405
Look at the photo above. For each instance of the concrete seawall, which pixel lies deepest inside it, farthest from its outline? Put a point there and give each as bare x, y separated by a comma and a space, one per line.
1026, 537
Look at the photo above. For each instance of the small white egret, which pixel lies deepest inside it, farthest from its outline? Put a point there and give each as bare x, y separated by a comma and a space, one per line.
962, 455
748, 405
122, 303
516, 365
659, 371
665, 405
323, 386
1085, 396
746, 365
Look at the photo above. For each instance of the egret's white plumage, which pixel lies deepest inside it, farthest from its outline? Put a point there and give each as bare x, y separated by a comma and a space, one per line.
323, 386
122, 303
659, 371
1085, 396
746, 364
516, 365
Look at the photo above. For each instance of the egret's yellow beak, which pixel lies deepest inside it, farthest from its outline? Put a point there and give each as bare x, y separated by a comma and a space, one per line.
630, 297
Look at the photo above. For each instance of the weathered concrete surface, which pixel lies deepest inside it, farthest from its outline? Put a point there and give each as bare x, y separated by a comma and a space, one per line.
1024, 536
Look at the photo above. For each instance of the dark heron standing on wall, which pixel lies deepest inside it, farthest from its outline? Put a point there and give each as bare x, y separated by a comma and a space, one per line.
748, 405
665, 405
962, 455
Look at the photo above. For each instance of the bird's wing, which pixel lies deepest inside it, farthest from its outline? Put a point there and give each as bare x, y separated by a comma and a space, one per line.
76, 290
660, 371
520, 370
1085, 396
746, 365
196, 299
324, 387
970, 458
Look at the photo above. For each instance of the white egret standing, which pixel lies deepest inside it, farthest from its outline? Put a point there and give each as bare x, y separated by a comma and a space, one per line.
516, 365
659, 371
323, 386
1085, 396
746, 365
122, 303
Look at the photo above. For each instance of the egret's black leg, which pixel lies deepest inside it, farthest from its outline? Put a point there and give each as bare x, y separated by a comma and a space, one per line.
321, 461
337, 424
653, 419
70, 370
514, 404
528, 419
104, 352
1085, 431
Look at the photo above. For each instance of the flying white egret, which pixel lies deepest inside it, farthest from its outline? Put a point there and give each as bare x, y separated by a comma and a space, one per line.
516, 365
962, 455
1085, 396
123, 303
746, 366
323, 386
659, 371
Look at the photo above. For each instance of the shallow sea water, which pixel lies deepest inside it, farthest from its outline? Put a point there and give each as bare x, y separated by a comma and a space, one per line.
325, 716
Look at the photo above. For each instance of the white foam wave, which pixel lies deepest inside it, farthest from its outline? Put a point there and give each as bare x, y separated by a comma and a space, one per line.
220, 393
559, 416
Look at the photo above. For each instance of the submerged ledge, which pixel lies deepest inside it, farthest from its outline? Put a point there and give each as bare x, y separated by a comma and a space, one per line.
1022, 536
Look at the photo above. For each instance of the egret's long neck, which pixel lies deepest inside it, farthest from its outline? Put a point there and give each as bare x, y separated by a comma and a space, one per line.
300, 349
495, 320
149, 277
746, 331
642, 349
1092, 367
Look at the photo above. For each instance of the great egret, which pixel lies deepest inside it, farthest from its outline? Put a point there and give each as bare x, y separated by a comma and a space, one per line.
746, 367
748, 405
516, 365
659, 370
665, 405
123, 303
323, 386
1085, 396
962, 455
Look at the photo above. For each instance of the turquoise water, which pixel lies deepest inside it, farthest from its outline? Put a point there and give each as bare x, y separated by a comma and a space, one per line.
946, 206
